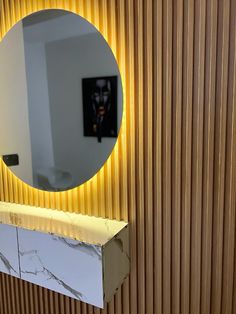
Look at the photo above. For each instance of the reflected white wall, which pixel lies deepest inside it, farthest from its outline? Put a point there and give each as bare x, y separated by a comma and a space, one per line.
68, 61
39, 114
14, 126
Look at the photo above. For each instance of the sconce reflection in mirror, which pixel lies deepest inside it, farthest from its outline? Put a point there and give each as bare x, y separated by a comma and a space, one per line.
100, 107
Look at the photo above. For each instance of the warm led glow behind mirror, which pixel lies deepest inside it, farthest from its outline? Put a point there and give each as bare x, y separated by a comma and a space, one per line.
60, 100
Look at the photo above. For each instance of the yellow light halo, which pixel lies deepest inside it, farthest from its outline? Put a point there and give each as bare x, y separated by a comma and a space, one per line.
98, 196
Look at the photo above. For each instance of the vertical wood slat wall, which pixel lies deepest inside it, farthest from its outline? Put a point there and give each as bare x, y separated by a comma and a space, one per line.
172, 174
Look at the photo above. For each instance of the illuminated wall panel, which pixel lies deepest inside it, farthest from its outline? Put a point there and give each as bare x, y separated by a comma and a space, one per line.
172, 174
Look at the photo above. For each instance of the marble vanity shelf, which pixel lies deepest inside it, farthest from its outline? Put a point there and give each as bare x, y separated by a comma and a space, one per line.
84, 257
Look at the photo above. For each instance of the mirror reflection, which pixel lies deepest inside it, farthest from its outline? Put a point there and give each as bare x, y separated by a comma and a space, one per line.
61, 100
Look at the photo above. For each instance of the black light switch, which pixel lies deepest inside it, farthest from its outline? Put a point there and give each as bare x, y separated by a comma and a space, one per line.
11, 160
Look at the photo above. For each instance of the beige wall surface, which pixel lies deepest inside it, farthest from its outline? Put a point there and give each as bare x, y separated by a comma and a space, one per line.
172, 174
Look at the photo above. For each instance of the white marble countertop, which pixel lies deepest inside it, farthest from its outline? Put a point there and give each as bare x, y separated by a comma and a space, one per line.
87, 229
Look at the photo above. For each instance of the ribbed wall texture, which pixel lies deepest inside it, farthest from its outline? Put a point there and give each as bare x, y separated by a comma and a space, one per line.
172, 174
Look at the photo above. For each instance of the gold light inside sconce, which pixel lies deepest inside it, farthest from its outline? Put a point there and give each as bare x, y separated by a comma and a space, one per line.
100, 196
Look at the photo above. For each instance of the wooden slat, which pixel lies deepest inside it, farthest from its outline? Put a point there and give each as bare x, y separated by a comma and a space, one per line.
139, 154
197, 154
230, 179
188, 63
220, 153
166, 151
148, 155
176, 152
208, 154
157, 154
131, 126
172, 173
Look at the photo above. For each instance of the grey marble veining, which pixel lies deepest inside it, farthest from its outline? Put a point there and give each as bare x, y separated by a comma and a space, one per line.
41, 269
8, 267
63, 265
9, 257
87, 271
90, 249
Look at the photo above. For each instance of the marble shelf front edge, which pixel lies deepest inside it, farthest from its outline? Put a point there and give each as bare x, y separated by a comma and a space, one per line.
84, 257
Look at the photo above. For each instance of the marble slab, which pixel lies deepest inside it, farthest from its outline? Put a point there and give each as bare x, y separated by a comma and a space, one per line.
9, 256
83, 257
67, 266
116, 263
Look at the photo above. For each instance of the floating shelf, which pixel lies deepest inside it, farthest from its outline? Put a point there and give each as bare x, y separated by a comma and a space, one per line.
84, 257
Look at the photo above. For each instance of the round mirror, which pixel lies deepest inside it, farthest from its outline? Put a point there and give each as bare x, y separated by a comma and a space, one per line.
60, 100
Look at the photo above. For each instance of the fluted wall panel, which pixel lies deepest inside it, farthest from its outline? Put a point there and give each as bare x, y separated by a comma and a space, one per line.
172, 173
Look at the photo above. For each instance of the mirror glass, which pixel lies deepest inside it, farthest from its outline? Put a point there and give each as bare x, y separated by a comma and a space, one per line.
60, 100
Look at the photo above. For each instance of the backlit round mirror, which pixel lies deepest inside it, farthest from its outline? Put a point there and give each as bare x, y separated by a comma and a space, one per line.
60, 100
